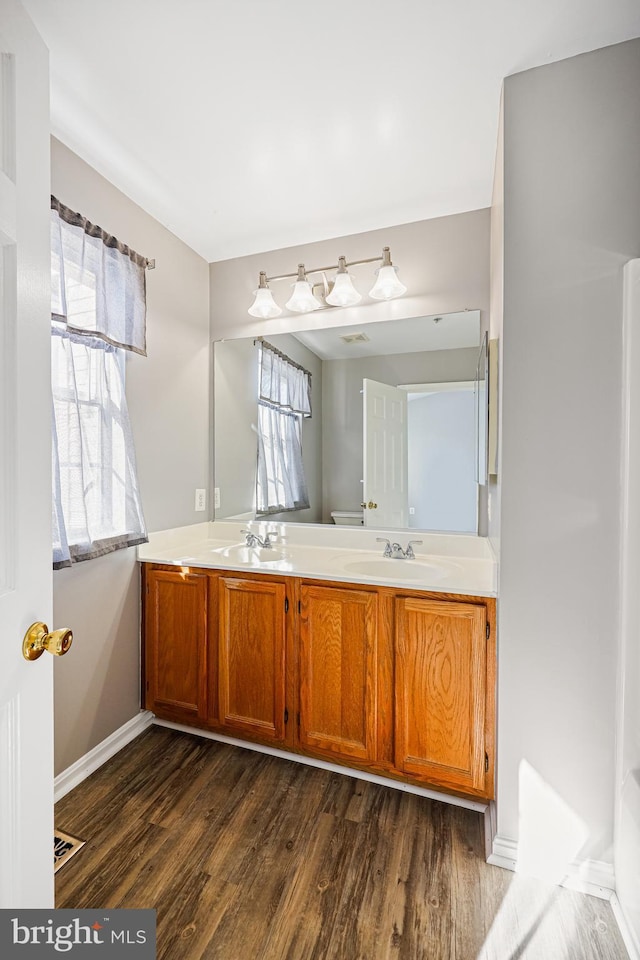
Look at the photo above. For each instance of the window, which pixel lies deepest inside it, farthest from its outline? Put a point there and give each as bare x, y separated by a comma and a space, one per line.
284, 399
98, 312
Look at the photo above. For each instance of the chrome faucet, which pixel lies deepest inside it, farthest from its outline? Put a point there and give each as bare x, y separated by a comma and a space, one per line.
254, 540
395, 551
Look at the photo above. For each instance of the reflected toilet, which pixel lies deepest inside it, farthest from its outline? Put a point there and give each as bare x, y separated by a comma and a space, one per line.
348, 518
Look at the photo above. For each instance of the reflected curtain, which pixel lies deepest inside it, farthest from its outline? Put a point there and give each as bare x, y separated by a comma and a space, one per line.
284, 400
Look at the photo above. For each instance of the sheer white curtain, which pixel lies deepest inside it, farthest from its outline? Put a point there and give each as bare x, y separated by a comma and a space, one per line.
98, 283
284, 399
96, 501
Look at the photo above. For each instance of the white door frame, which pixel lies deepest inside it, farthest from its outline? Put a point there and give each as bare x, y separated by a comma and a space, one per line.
627, 812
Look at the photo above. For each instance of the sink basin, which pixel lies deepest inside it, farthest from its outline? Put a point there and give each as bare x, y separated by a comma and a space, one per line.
384, 568
251, 556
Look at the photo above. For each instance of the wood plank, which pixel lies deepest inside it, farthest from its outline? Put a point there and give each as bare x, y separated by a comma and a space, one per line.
250, 857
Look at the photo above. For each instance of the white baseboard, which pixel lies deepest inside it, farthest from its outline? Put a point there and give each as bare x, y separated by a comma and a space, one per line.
90, 762
477, 805
504, 853
595, 877
627, 934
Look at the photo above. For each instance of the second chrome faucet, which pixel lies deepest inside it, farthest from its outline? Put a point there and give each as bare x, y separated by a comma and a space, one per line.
395, 551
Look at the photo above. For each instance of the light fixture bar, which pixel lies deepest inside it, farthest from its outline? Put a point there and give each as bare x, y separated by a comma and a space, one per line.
348, 263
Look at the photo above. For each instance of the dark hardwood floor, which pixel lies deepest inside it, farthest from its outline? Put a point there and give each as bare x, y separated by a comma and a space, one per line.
248, 857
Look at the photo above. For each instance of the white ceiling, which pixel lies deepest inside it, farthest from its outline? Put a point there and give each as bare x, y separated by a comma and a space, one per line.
452, 331
249, 125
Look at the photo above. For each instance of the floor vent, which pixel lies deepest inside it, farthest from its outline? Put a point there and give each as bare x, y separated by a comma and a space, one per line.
64, 847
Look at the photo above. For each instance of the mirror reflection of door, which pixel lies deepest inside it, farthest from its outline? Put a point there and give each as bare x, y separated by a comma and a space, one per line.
385, 493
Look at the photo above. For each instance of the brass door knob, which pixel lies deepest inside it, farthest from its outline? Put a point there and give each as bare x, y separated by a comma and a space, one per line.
364, 506
372, 506
37, 639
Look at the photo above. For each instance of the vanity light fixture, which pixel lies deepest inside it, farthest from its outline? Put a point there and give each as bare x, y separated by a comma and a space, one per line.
387, 286
344, 294
264, 306
339, 292
302, 299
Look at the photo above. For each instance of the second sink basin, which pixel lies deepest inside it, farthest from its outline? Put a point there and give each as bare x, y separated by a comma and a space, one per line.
251, 556
388, 569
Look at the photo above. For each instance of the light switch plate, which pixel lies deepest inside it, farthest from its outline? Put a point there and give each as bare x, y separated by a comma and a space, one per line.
201, 500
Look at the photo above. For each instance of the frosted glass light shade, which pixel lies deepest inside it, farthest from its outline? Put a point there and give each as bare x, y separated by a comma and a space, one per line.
264, 306
302, 299
344, 294
387, 286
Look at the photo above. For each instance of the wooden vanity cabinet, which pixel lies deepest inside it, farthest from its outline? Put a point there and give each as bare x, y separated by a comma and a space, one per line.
175, 608
338, 671
395, 681
251, 647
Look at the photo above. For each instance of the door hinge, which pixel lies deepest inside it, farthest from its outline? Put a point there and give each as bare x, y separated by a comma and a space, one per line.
286, 604
486, 763
488, 630
286, 715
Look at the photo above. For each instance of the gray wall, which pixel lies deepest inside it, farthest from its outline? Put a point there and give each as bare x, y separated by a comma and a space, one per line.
97, 684
235, 404
571, 220
496, 321
342, 411
235, 376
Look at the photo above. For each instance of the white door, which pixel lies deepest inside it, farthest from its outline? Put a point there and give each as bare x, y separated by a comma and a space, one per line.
385, 492
26, 702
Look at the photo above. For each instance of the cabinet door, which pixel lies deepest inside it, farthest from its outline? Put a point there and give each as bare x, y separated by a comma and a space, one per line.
252, 657
176, 644
440, 692
338, 671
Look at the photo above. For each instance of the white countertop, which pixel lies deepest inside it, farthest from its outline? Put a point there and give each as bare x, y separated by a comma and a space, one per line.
444, 563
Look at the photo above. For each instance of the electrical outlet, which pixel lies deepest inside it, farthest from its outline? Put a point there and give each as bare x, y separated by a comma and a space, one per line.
201, 500
412, 511
216, 497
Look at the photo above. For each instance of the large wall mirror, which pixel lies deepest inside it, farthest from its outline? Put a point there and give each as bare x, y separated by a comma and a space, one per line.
383, 417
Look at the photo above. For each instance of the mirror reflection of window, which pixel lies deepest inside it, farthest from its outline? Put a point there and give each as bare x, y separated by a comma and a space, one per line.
284, 399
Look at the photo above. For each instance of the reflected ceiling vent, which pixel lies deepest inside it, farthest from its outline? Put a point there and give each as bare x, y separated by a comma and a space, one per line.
355, 338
